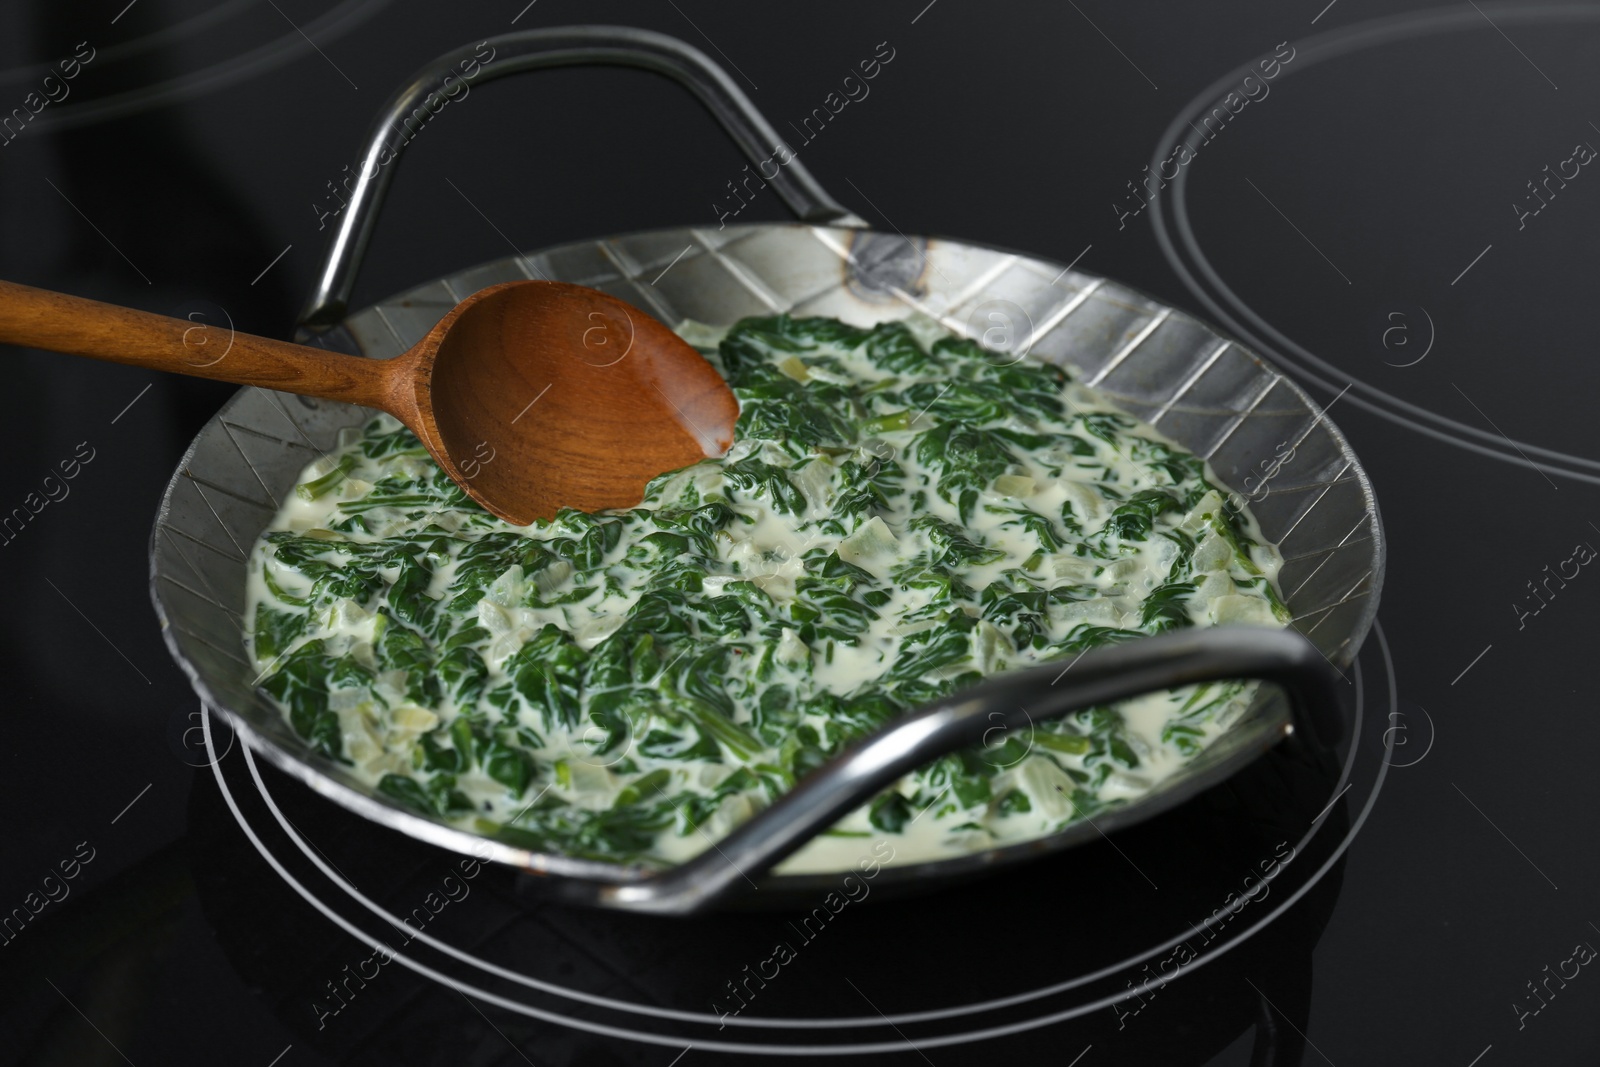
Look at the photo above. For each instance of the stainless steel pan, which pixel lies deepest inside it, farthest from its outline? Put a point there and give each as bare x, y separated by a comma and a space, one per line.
1157, 363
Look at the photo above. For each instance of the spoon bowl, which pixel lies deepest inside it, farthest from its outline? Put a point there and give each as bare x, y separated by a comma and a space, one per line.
560, 396
532, 395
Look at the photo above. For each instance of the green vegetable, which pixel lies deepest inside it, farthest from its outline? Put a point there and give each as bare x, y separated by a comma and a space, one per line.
275, 631
317, 486
890, 813
966, 459
300, 684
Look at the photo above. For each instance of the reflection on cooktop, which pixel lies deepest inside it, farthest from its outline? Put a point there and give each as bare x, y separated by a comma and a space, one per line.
1431, 233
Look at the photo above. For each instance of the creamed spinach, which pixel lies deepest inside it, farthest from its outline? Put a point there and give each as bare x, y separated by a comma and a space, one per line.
902, 513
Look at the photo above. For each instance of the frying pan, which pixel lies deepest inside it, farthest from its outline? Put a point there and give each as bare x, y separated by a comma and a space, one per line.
1154, 362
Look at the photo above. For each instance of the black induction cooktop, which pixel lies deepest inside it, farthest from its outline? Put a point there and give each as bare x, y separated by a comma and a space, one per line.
1391, 202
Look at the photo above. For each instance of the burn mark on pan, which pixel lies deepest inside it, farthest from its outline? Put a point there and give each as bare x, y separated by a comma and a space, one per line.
882, 265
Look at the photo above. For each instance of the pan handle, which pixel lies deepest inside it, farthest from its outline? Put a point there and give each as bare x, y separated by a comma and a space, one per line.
513, 53
1009, 702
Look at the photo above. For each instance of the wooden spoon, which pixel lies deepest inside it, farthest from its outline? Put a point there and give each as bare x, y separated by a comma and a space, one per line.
532, 395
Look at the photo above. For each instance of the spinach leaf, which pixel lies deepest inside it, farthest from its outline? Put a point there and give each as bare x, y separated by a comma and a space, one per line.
546, 674
756, 478
1165, 607
967, 460
300, 683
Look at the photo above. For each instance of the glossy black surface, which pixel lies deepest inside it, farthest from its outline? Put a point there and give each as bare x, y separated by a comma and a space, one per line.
1364, 206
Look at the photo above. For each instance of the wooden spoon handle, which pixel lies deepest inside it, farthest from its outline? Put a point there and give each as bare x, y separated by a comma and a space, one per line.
39, 318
